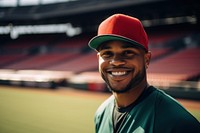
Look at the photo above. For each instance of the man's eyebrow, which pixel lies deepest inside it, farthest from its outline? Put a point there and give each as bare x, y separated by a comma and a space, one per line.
127, 46
104, 47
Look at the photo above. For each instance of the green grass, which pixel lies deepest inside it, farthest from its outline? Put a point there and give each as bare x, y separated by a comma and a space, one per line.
26, 112
196, 113
30, 112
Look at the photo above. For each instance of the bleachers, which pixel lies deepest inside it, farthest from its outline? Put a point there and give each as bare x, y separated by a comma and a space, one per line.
28, 42
162, 44
159, 38
41, 61
174, 69
73, 55
10, 59
74, 43
39, 52
83, 62
159, 52
182, 62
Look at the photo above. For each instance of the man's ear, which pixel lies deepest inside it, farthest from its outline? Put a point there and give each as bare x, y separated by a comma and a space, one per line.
147, 59
98, 55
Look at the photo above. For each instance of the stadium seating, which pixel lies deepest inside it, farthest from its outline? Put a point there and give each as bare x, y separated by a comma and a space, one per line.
181, 66
41, 61
55, 53
159, 38
72, 44
10, 59
159, 52
182, 62
83, 62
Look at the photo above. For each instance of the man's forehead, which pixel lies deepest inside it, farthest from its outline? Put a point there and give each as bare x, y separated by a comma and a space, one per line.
110, 44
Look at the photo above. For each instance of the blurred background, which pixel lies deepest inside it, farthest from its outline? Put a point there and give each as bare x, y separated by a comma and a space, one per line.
49, 80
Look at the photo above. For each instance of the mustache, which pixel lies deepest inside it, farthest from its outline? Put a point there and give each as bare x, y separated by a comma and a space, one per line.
118, 67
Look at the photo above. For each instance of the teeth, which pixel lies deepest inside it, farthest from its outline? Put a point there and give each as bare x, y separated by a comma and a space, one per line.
118, 73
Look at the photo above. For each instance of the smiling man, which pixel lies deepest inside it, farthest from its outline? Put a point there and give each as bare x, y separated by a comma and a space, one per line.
135, 106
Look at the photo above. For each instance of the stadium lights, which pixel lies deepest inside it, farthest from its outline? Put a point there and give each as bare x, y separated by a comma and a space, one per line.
16, 31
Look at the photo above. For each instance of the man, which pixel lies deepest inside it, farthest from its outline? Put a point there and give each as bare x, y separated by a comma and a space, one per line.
135, 106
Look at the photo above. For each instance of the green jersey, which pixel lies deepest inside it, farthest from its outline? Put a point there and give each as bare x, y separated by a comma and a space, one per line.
156, 112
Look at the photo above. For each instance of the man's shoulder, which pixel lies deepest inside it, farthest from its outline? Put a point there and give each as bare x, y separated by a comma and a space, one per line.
165, 101
166, 104
104, 115
108, 103
175, 116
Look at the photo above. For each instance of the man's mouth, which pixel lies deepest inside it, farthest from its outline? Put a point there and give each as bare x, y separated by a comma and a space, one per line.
120, 73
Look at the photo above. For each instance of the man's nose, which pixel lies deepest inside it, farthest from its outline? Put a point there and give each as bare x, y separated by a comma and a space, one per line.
117, 60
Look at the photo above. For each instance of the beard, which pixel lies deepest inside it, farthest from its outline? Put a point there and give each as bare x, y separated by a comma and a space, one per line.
134, 82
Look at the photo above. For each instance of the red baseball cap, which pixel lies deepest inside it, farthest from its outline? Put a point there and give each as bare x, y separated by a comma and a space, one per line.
122, 28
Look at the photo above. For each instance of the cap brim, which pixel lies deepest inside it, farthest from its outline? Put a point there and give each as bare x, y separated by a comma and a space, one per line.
96, 41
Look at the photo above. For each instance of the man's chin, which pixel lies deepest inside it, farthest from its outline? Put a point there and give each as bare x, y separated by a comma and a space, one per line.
118, 90
115, 87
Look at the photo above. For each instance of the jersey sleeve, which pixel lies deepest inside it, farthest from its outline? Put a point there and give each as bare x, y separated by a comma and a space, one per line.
103, 115
172, 117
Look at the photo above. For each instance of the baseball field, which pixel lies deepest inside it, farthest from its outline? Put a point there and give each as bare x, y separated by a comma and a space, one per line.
65, 110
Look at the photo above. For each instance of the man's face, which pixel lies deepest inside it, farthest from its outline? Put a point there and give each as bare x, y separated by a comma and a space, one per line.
122, 66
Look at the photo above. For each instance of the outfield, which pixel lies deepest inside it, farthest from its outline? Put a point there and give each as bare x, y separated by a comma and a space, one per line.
26, 110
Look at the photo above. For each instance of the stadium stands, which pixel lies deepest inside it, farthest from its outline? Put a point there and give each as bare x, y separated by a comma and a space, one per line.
83, 62
72, 45
41, 61
10, 59
180, 66
182, 62
159, 52
159, 37
174, 60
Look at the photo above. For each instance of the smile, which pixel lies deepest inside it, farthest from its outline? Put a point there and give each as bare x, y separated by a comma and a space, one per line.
119, 73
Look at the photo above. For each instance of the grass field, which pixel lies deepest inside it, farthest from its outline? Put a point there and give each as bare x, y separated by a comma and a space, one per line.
24, 110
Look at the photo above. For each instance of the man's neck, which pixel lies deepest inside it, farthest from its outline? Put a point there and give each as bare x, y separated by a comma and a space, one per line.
126, 98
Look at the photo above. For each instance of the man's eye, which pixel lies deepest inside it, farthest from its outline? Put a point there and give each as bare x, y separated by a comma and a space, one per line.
128, 53
106, 54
